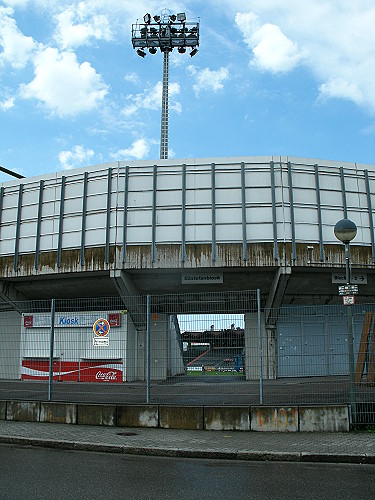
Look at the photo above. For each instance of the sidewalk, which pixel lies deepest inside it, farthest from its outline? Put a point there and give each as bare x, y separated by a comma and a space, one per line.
295, 447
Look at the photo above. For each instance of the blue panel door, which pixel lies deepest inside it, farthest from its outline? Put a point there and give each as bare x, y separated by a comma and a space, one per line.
289, 350
314, 357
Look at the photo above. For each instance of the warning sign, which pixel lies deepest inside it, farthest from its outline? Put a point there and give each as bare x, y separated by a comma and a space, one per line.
101, 329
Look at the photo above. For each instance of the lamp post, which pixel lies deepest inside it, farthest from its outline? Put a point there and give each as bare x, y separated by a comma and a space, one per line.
165, 32
345, 231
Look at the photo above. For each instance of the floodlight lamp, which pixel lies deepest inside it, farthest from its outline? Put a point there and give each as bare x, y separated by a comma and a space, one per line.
141, 53
181, 50
181, 17
172, 18
152, 50
156, 19
193, 52
147, 18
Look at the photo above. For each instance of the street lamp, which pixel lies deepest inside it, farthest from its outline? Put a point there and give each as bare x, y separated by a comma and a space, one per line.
345, 231
167, 32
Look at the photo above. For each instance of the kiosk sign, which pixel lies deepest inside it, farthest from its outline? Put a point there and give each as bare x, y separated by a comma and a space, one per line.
101, 329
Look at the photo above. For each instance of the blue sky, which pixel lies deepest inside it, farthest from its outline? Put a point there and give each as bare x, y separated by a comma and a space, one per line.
272, 77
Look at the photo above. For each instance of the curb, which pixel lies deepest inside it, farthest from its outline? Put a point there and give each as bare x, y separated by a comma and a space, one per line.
260, 456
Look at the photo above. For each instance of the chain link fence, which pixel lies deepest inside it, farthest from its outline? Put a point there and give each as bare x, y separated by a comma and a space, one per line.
193, 349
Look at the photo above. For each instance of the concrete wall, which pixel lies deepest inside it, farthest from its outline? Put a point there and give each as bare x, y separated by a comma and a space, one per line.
327, 418
10, 341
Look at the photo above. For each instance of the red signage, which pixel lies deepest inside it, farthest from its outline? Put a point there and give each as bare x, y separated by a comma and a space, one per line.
28, 321
73, 371
348, 300
114, 319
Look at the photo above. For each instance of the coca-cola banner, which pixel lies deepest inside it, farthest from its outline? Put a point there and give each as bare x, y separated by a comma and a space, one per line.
73, 371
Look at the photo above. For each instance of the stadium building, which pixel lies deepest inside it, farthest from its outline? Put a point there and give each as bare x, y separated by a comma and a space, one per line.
190, 228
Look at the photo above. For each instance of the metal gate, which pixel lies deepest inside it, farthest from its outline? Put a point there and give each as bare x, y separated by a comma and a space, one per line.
314, 342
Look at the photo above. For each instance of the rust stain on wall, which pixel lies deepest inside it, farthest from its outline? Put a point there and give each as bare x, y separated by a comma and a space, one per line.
169, 256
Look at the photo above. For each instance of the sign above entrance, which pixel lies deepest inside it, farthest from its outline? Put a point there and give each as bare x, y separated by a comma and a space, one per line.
355, 278
202, 278
68, 320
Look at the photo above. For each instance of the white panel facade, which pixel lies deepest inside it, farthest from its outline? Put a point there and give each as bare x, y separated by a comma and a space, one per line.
168, 217
259, 232
169, 198
165, 234
228, 233
167, 185
198, 234
139, 235
198, 216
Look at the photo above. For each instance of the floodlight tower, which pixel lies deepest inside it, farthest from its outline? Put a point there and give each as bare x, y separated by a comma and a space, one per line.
165, 32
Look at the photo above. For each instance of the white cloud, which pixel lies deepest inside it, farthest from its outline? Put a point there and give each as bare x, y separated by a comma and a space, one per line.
206, 79
132, 78
16, 48
16, 3
7, 104
333, 39
341, 88
139, 149
176, 59
77, 25
151, 99
64, 86
77, 157
272, 50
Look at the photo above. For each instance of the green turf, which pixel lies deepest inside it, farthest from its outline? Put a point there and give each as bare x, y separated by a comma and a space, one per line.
214, 374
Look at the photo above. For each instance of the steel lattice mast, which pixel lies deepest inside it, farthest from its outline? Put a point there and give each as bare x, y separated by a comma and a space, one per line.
165, 109
169, 31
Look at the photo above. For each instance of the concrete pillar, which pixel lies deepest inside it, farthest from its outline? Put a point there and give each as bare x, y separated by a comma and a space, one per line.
131, 356
10, 341
141, 355
159, 346
252, 348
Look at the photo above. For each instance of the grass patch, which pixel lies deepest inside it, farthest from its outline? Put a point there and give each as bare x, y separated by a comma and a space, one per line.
214, 373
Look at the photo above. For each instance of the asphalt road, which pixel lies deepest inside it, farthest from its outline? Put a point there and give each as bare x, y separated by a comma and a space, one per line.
37, 473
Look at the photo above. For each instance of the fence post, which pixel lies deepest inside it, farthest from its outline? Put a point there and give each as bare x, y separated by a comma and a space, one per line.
50, 378
260, 350
148, 347
352, 391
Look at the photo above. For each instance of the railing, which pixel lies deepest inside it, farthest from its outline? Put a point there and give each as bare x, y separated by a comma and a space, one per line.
192, 349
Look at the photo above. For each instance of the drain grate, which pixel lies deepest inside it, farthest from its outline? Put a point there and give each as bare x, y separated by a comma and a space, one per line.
127, 434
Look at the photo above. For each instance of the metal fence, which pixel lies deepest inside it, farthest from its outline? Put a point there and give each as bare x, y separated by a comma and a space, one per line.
192, 349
